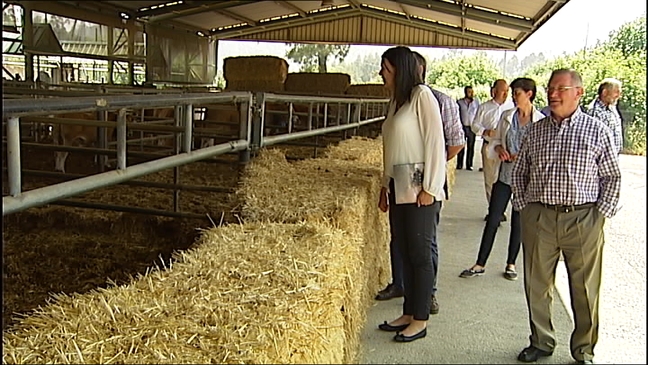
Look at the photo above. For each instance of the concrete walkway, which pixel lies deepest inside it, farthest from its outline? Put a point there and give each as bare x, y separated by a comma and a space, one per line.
485, 320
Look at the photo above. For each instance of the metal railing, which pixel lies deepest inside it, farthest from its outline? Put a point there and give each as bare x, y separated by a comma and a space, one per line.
251, 136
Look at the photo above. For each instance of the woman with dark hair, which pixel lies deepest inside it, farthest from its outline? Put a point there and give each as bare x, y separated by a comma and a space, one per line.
508, 136
413, 178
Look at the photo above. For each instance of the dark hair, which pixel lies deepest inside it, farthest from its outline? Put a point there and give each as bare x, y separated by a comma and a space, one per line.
466, 88
525, 84
421, 62
406, 75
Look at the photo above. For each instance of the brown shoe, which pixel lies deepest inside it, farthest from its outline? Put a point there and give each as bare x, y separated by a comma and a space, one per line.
434, 306
391, 291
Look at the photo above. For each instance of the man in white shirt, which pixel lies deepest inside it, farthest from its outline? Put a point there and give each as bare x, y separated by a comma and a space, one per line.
484, 124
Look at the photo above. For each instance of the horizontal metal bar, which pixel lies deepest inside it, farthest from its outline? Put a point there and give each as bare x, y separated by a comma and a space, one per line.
67, 189
121, 208
269, 97
140, 183
58, 105
267, 141
94, 150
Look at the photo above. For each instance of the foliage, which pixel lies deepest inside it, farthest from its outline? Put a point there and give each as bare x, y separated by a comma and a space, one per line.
314, 57
364, 69
630, 39
456, 71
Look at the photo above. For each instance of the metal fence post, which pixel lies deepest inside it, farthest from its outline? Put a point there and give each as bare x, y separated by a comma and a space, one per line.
189, 111
121, 139
245, 116
13, 155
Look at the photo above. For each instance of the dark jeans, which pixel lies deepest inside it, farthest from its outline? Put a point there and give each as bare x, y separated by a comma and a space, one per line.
397, 259
413, 230
469, 150
500, 196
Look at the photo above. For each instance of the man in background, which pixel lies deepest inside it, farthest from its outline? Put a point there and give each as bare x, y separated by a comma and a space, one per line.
484, 124
604, 108
467, 109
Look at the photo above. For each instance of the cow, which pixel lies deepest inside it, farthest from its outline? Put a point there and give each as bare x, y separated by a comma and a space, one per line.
79, 135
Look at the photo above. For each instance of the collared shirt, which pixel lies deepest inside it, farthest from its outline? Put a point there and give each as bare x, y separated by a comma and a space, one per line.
513, 137
610, 117
467, 110
568, 163
452, 129
546, 110
487, 116
414, 134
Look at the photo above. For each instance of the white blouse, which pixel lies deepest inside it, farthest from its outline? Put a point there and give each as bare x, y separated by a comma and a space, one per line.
415, 134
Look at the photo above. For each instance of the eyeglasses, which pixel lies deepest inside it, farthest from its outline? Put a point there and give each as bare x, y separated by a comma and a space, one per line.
560, 89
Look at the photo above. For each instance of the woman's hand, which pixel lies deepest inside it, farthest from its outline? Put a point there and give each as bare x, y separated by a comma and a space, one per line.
383, 204
424, 199
502, 153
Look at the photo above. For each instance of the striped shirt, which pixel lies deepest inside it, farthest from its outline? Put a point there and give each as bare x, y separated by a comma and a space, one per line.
569, 163
452, 129
609, 116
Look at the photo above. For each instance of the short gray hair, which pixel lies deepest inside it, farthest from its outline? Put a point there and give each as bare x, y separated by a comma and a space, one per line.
609, 84
575, 76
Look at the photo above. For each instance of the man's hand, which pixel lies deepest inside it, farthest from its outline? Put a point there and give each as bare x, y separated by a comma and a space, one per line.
383, 204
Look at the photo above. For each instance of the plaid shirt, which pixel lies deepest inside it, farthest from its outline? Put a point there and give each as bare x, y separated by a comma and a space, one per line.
452, 127
609, 117
568, 163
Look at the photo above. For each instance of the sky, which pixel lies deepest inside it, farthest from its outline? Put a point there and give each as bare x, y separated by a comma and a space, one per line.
577, 24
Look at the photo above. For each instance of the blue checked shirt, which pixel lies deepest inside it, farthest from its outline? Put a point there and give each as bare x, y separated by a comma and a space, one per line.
569, 163
452, 128
609, 116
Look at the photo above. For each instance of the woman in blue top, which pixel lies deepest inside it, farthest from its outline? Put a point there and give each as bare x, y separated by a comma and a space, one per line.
506, 144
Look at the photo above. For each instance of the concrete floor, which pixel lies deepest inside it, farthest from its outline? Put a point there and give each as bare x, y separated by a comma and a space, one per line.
485, 319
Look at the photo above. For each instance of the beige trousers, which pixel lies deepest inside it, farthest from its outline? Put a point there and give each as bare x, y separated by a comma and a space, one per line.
491, 170
579, 235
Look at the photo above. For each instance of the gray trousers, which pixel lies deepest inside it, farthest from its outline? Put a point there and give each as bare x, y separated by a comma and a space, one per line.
579, 235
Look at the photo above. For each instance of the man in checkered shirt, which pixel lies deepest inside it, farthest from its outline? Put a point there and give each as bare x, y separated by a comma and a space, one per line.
604, 108
565, 181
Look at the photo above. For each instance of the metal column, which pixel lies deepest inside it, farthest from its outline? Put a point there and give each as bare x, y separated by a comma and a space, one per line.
13, 155
28, 42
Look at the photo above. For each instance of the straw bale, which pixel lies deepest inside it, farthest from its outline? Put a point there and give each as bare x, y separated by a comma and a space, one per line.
317, 83
363, 150
451, 166
254, 85
256, 293
342, 194
375, 90
260, 68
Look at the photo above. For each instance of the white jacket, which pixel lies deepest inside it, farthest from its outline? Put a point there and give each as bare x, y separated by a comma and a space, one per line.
503, 127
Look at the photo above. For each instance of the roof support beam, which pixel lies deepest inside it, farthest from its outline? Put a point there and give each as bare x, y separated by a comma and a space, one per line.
337, 14
472, 13
237, 17
290, 6
192, 8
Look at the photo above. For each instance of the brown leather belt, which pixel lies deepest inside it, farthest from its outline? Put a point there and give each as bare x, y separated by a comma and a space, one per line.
567, 208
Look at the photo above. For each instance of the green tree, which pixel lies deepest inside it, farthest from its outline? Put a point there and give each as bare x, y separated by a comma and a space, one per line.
456, 71
364, 69
630, 38
314, 57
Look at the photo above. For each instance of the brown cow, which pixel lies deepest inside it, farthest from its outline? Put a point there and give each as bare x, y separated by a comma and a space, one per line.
78, 135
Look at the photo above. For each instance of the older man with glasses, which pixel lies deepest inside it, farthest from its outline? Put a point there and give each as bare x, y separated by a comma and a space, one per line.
565, 182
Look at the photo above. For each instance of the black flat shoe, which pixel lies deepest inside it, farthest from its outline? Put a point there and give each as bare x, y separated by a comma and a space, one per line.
402, 338
389, 328
532, 354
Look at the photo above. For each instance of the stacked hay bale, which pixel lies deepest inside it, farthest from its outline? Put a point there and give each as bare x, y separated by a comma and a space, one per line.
257, 293
255, 73
292, 291
311, 83
373, 90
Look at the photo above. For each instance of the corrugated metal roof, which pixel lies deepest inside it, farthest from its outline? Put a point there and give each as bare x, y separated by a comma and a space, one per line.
494, 24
